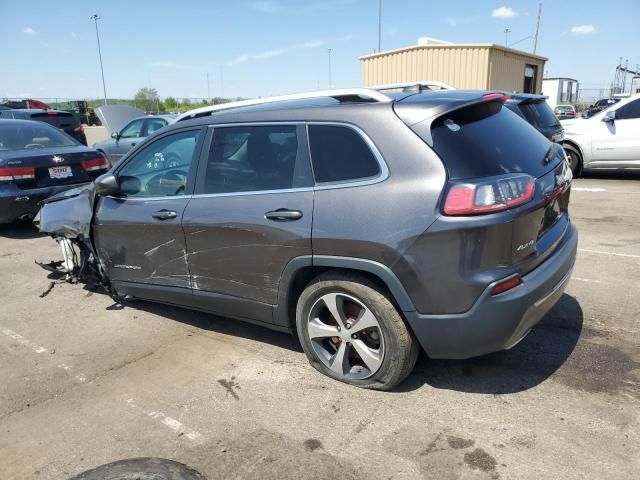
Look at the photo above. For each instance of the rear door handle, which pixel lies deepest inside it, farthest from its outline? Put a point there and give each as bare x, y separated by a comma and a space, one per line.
164, 214
283, 214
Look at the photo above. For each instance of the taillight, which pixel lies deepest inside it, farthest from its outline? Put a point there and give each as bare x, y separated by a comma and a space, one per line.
505, 285
489, 195
95, 164
79, 129
8, 174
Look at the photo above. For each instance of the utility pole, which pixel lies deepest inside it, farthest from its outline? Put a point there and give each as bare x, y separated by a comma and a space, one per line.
535, 42
330, 82
208, 88
506, 36
95, 18
379, 24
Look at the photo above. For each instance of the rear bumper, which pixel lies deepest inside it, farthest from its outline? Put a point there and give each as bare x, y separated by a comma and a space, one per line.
499, 322
16, 202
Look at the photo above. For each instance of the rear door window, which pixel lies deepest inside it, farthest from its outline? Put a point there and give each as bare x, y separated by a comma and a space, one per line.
485, 140
340, 154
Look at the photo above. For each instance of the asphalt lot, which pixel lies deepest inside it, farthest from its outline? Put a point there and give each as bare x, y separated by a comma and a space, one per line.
84, 383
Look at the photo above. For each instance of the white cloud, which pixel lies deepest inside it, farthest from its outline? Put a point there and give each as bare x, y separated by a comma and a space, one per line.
504, 12
583, 29
28, 30
312, 44
276, 52
264, 7
240, 59
269, 53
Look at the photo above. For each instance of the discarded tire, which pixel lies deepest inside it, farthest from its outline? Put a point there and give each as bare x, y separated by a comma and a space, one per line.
141, 469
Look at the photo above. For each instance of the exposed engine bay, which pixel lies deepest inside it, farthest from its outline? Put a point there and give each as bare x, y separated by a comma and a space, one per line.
67, 218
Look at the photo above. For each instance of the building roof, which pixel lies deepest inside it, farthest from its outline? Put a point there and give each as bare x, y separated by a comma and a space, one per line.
452, 46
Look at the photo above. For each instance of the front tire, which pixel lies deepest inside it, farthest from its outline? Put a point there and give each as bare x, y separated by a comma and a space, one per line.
575, 161
351, 331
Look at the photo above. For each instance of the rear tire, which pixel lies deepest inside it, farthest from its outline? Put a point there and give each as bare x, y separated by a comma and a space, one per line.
368, 346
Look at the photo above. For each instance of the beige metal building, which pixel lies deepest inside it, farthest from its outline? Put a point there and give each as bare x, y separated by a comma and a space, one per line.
472, 66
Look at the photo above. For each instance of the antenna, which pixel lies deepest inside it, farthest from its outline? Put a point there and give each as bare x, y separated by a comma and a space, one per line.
535, 42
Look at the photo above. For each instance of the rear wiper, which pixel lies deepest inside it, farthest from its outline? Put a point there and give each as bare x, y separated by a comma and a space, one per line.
550, 153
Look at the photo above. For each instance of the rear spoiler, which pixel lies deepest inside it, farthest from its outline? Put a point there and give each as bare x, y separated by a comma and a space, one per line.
420, 115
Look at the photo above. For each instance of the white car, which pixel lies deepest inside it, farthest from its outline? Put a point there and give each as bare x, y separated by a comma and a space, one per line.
609, 139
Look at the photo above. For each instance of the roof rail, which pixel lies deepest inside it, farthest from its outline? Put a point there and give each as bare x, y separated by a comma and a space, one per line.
414, 86
340, 94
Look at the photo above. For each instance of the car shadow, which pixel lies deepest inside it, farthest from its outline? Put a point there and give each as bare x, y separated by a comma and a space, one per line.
20, 230
528, 364
627, 174
218, 324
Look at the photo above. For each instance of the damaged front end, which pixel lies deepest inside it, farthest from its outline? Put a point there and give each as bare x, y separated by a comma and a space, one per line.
67, 217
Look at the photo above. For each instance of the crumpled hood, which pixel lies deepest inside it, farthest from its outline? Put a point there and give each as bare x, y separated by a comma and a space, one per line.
68, 214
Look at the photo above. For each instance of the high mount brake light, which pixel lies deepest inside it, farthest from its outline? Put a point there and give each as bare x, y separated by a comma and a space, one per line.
487, 97
8, 174
489, 195
95, 165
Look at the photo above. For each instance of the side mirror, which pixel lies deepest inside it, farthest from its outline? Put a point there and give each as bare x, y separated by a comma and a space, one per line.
115, 135
609, 116
107, 184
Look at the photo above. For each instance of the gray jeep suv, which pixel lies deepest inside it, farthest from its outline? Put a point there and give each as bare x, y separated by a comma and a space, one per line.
368, 224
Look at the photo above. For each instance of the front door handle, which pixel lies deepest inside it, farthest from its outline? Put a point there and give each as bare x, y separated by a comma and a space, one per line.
164, 214
283, 214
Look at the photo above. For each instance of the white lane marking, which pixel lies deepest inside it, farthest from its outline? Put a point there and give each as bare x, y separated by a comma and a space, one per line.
587, 280
599, 252
169, 422
587, 189
23, 341
80, 377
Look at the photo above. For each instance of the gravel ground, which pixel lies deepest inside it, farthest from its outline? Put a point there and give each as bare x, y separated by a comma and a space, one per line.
84, 382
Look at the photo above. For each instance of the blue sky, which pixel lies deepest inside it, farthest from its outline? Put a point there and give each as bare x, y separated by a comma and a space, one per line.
256, 48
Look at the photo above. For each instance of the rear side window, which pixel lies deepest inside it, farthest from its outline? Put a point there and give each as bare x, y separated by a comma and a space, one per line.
340, 154
485, 140
539, 114
255, 158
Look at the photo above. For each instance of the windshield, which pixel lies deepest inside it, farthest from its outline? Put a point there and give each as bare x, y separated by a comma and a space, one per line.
539, 114
21, 137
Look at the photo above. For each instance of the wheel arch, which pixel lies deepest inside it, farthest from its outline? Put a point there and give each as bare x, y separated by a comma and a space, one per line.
300, 271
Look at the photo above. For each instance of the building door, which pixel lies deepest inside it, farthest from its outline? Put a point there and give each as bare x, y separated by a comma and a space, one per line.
530, 76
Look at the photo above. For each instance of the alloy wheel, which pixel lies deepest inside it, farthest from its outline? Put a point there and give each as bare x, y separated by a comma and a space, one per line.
346, 336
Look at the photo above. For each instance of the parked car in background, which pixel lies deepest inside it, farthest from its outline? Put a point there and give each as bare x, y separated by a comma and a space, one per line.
609, 139
469, 249
565, 111
535, 110
599, 106
37, 161
131, 134
65, 121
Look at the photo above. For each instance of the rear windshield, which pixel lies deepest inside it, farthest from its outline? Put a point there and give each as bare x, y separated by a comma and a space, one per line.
60, 120
14, 137
485, 140
539, 114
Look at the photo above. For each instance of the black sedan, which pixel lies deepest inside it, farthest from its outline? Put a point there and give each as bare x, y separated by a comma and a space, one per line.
37, 161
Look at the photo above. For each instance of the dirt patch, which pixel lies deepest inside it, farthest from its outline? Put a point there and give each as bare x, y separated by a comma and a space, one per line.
312, 444
458, 443
599, 368
478, 459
